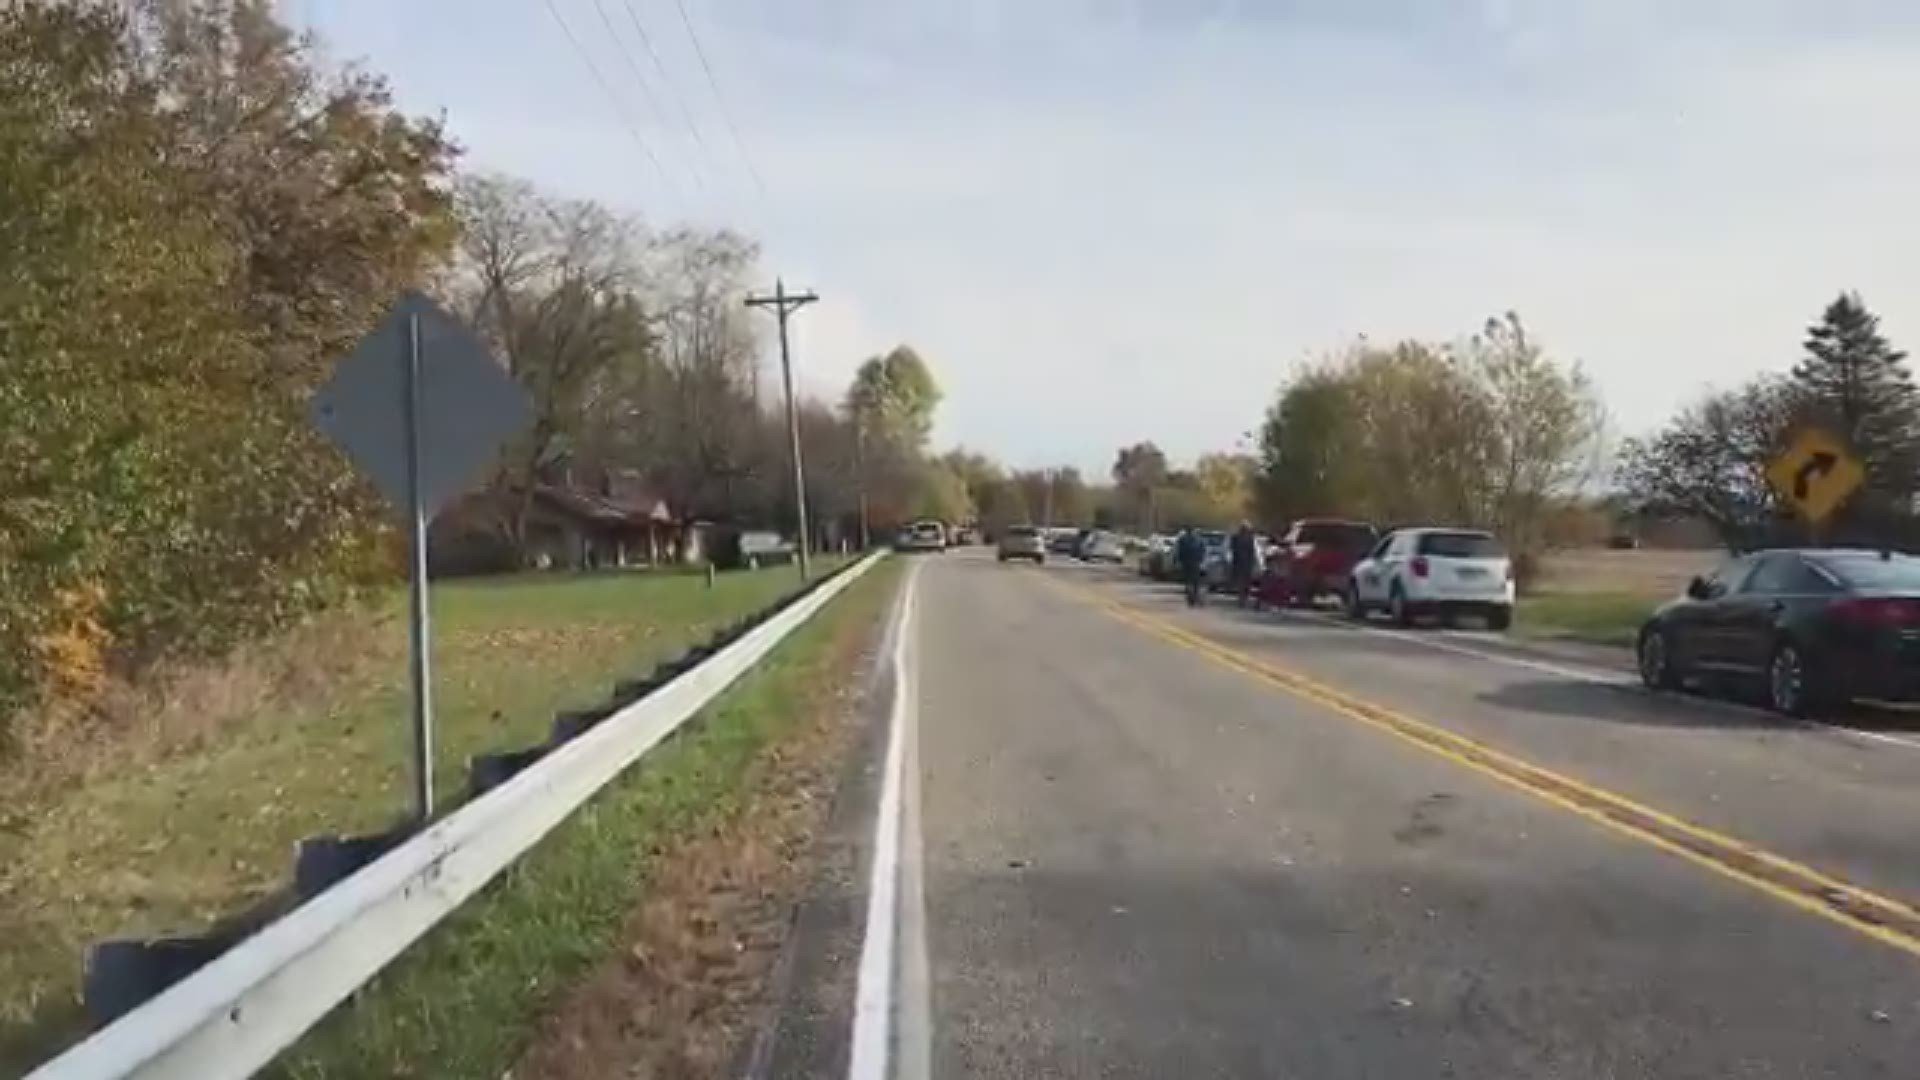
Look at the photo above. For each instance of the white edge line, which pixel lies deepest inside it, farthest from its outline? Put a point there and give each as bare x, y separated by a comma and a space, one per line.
873, 996
1597, 677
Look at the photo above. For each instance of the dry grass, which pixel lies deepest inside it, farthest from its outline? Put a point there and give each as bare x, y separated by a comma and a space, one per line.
1644, 572
677, 998
182, 708
635, 939
1601, 596
177, 803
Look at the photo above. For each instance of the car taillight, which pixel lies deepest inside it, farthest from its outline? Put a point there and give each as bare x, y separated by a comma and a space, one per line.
1876, 610
1419, 566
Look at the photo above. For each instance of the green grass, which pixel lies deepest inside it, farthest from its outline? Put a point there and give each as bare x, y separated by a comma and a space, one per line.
170, 845
1598, 618
465, 1001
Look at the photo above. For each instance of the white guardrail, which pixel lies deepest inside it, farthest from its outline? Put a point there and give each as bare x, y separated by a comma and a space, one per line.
232, 1016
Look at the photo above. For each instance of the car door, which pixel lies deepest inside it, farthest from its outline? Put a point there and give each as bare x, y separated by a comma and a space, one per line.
1780, 583
1700, 630
1370, 575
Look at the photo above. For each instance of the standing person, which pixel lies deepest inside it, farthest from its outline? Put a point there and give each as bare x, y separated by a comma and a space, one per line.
1191, 554
1244, 554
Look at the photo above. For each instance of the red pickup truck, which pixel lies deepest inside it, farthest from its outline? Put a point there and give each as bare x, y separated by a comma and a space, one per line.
1314, 559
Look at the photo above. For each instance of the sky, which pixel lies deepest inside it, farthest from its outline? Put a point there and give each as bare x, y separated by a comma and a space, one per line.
1107, 222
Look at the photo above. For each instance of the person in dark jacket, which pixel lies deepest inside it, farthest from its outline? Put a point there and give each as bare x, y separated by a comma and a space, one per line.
1190, 553
1244, 557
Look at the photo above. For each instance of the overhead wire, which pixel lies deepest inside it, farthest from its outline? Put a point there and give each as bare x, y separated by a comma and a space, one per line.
660, 68
646, 88
613, 98
713, 83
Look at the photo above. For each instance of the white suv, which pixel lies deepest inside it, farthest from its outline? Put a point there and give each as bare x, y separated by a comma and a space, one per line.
1445, 572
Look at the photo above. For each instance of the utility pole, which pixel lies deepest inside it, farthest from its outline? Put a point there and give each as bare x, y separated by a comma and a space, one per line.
784, 304
860, 473
1049, 512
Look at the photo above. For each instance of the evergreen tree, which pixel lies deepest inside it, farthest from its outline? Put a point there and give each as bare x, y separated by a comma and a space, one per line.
1859, 385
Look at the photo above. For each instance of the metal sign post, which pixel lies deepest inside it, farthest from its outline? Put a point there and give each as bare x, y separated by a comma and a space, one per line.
421, 408
420, 661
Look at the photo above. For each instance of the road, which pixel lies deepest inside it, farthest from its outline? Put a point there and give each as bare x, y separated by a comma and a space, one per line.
1138, 840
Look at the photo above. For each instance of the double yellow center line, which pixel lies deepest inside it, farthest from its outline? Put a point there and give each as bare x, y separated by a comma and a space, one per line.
1882, 918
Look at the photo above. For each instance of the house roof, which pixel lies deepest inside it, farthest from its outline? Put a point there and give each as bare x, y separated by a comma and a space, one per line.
627, 509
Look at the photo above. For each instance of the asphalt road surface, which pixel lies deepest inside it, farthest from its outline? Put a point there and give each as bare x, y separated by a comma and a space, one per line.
1137, 840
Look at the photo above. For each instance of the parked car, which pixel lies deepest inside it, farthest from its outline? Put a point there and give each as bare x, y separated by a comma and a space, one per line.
1156, 557
1814, 628
1444, 572
966, 536
1063, 542
922, 536
1216, 567
1023, 542
1101, 546
1315, 558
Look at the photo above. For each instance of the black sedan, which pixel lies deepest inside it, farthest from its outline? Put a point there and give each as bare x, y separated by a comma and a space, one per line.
1814, 628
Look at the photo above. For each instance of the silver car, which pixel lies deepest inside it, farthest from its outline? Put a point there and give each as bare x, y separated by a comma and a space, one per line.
1023, 542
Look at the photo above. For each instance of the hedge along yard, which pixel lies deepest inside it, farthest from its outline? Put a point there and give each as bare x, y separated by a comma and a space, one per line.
193, 815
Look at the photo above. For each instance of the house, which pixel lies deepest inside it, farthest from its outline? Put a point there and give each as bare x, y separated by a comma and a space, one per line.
575, 518
616, 522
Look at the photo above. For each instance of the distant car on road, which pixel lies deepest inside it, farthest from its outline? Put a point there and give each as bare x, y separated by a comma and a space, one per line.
1063, 542
1315, 558
1814, 628
1023, 542
923, 536
1432, 571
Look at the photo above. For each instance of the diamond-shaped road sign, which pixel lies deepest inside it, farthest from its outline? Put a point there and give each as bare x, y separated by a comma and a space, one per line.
469, 405
1816, 474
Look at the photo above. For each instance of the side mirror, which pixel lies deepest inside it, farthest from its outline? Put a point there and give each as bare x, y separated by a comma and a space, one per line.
1698, 589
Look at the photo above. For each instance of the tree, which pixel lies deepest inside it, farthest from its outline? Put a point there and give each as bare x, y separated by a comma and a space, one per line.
894, 397
1711, 460
553, 286
1307, 450
338, 200
1543, 431
941, 494
1226, 482
1859, 386
979, 474
1137, 471
198, 220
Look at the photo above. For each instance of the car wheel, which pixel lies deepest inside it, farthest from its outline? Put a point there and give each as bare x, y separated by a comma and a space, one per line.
1356, 607
1499, 619
1792, 688
1397, 606
1656, 661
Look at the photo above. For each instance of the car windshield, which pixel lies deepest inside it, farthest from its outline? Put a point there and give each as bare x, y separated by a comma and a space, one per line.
1346, 536
1461, 545
1023, 531
1868, 571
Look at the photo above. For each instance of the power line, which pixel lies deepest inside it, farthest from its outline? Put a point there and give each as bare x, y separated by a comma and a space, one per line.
606, 88
718, 98
646, 88
679, 99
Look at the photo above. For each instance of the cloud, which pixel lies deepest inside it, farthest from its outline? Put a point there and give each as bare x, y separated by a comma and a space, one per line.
1110, 221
